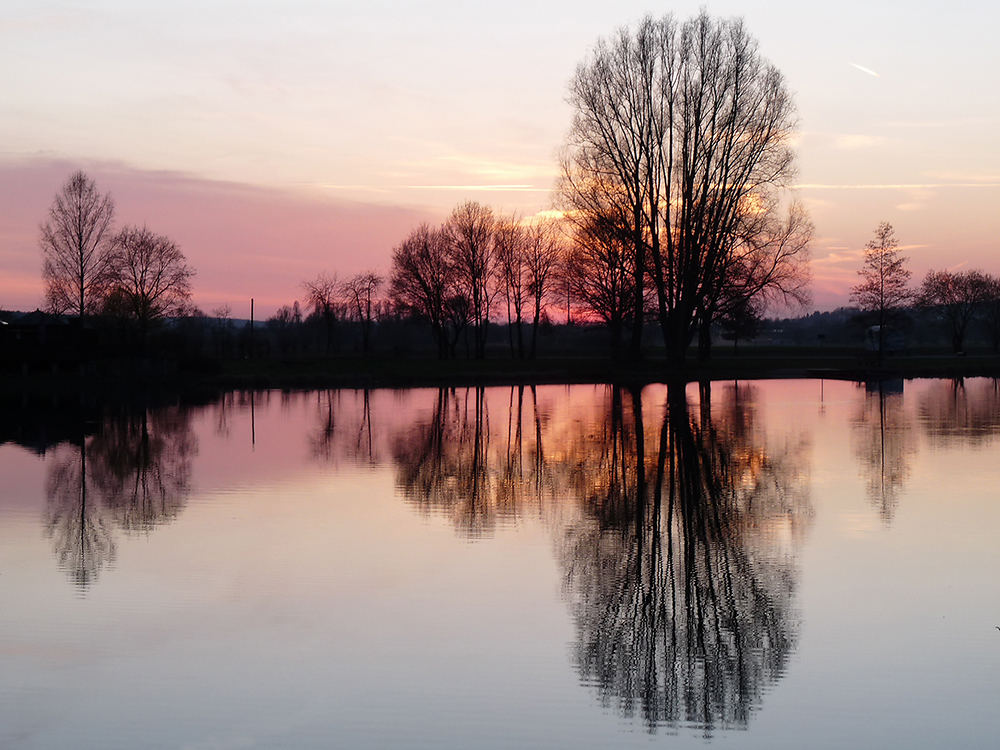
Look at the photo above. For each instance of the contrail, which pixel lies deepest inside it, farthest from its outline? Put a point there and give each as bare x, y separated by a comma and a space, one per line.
865, 70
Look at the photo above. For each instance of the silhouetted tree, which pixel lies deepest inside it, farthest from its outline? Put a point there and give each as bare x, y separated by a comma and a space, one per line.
425, 283
544, 252
75, 241
883, 289
991, 312
767, 266
223, 331
470, 242
958, 296
321, 294
741, 322
360, 294
148, 277
510, 247
680, 139
601, 274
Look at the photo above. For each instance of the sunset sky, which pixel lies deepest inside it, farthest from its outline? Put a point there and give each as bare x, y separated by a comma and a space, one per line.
275, 140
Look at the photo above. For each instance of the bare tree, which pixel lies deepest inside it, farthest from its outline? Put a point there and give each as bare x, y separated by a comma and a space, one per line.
883, 289
680, 132
361, 298
148, 276
424, 283
75, 241
544, 251
223, 327
511, 259
469, 233
768, 265
322, 294
601, 275
991, 315
958, 296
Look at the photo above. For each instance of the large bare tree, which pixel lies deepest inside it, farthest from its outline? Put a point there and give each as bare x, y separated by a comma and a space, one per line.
148, 277
681, 136
75, 241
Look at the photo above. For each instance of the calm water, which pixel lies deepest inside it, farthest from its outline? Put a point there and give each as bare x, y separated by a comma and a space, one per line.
778, 564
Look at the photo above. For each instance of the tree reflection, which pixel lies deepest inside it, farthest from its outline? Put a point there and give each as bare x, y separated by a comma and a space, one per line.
884, 444
961, 412
134, 474
676, 541
444, 464
76, 522
683, 605
344, 432
142, 466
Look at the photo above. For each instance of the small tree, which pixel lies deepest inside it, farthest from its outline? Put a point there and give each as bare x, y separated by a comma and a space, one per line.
543, 253
75, 243
223, 316
741, 321
148, 275
958, 296
469, 234
992, 313
509, 244
883, 290
361, 299
321, 295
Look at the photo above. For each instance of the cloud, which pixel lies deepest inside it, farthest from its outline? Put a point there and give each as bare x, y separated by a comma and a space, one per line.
843, 255
863, 69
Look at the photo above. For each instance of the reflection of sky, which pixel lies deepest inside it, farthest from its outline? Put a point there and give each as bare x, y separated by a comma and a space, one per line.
423, 104
311, 601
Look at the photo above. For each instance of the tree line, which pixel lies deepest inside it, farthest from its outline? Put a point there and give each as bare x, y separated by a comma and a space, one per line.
956, 298
671, 212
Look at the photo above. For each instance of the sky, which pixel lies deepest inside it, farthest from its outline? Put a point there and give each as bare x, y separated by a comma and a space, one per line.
276, 140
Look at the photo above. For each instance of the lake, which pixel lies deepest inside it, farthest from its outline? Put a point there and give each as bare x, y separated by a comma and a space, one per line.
772, 564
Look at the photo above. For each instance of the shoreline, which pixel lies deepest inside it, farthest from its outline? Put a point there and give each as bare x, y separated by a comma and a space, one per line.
374, 373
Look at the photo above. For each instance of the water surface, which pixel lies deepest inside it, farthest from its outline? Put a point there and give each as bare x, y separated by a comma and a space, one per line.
765, 564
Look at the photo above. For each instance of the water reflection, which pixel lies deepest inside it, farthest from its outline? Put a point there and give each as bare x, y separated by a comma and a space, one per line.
443, 463
676, 536
75, 520
133, 474
680, 581
957, 412
345, 430
885, 444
